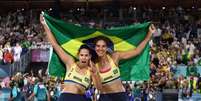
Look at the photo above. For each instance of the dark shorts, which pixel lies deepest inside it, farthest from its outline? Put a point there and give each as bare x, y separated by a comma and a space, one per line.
72, 97
114, 97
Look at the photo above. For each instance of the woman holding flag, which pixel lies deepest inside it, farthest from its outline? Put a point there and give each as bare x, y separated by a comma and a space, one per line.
80, 74
107, 65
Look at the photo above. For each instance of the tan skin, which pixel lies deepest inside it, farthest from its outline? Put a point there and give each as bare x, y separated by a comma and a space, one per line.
103, 62
83, 65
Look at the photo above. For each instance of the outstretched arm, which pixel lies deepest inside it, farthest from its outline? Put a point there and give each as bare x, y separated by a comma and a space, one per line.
138, 49
66, 59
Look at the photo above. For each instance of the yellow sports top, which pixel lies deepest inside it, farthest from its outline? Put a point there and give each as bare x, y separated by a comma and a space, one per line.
73, 76
112, 74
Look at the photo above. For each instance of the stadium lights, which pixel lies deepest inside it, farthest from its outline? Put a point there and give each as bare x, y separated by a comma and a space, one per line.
163, 7
134, 8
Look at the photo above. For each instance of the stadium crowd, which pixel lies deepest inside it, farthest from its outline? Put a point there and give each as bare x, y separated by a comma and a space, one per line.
17, 35
176, 42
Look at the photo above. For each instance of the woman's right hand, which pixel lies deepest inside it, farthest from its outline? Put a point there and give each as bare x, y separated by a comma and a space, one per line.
92, 67
42, 21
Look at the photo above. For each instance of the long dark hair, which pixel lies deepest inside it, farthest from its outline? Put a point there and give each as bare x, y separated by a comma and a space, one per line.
84, 46
108, 42
91, 51
91, 43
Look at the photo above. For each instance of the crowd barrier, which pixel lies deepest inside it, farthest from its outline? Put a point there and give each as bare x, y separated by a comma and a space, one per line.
42, 55
11, 69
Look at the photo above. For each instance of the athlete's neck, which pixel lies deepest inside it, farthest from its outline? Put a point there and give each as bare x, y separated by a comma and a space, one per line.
103, 60
80, 65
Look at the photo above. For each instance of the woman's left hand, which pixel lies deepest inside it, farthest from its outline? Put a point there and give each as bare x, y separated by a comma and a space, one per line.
152, 28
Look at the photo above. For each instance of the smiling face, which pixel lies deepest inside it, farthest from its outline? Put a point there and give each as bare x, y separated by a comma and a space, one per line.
101, 48
84, 56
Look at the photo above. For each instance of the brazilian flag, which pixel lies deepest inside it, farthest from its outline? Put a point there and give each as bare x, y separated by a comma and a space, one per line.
70, 37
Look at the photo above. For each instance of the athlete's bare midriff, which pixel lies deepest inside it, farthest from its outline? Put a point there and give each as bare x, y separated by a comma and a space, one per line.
73, 88
113, 87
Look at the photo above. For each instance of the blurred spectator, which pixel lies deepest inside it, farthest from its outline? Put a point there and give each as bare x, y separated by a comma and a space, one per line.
40, 91
191, 69
1, 54
17, 50
8, 57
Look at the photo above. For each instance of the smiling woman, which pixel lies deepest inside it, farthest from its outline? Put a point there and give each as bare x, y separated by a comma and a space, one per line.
107, 66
